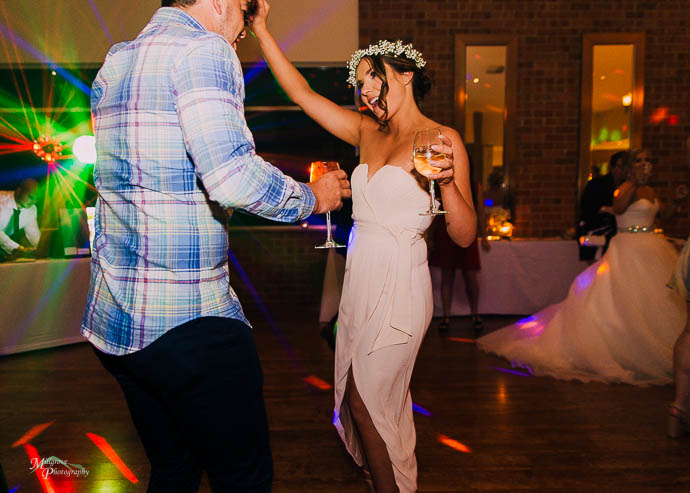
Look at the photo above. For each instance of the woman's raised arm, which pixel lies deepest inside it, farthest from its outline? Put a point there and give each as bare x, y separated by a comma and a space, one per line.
344, 124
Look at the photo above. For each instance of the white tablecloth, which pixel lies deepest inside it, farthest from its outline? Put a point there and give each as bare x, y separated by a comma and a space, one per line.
42, 303
517, 277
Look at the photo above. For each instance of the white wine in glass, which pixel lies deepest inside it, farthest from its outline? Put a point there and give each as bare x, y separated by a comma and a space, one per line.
316, 171
424, 158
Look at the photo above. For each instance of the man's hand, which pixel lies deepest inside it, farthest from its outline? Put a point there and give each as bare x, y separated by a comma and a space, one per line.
330, 190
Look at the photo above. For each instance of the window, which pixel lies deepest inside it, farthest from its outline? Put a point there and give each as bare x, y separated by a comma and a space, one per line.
612, 99
485, 98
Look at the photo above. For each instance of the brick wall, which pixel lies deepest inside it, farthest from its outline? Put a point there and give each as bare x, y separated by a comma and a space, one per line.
549, 37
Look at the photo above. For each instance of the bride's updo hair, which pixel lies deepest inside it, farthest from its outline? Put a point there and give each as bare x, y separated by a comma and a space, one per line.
421, 82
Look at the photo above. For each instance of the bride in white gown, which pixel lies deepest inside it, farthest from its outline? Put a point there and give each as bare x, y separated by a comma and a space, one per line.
619, 322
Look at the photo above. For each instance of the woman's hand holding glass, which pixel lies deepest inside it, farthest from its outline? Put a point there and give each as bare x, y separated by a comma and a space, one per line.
446, 175
433, 158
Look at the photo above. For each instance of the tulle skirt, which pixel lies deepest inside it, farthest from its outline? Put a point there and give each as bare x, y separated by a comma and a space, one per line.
618, 324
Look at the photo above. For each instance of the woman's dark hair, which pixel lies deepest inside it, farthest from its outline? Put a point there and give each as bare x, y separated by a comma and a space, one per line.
421, 82
629, 160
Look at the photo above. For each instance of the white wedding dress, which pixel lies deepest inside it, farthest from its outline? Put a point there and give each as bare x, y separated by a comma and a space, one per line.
619, 322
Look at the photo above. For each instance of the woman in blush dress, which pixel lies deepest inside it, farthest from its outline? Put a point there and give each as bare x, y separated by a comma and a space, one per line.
619, 322
386, 303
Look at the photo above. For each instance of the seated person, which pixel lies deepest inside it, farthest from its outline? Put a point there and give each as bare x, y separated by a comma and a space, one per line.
19, 233
595, 206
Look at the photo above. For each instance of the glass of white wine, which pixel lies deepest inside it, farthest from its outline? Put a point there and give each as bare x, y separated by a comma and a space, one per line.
316, 171
424, 158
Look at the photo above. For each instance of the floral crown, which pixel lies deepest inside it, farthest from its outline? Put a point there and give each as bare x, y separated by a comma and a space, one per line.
383, 47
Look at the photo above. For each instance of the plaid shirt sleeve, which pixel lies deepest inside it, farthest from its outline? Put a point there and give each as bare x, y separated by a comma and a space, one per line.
210, 92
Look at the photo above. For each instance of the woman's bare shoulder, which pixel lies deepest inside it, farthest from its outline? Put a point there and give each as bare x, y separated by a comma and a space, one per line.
368, 124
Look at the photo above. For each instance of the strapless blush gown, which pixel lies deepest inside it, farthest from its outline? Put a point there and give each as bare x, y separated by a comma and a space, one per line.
385, 309
619, 322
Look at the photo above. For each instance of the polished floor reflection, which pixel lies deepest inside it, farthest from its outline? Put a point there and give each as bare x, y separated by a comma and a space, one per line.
482, 425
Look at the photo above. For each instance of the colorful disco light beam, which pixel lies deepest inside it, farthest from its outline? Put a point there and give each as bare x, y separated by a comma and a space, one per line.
419, 409
105, 447
67, 185
76, 177
19, 93
46, 483
318, 383
101, 22
16, 135
18, 40
267, 314
13, 148
279, 334
31, 434
517, 364
461, 339
512, 372
454, 444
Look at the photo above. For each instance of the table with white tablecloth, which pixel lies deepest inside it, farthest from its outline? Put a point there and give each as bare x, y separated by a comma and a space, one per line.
42, 303
517, 277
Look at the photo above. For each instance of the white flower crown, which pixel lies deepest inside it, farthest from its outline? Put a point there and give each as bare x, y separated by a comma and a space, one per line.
383, 47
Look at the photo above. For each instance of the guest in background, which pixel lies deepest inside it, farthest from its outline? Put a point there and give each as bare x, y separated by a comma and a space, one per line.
679, 413
619, 323
595, 206
449, 256
496, 194
19, 233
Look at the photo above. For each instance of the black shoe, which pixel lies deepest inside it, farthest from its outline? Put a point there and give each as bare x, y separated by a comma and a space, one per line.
477, 324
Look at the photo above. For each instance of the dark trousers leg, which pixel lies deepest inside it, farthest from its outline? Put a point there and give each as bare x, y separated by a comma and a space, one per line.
173, 465
195, 396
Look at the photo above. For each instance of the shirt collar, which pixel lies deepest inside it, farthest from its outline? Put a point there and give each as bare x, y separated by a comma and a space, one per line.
172, 15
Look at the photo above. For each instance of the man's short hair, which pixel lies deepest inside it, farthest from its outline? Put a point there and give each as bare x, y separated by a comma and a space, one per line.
27, 186
177, 3
617, 159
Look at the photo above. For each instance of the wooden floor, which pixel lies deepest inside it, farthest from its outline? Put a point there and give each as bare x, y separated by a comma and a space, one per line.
522, 433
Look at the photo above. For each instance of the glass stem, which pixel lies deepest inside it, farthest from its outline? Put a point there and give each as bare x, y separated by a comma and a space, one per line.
328, 228
432, 196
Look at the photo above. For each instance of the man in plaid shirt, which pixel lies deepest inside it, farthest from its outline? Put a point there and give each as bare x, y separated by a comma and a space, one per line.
174, 151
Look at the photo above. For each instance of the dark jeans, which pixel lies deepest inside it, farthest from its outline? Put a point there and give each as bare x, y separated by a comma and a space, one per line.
195, 396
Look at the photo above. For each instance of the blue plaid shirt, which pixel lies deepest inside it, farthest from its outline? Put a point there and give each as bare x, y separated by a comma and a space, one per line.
174, 153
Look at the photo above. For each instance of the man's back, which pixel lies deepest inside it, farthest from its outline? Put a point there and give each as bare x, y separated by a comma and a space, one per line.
172, 140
